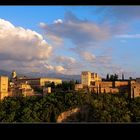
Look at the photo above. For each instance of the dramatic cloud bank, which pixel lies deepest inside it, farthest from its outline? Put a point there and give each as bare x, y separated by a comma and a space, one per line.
69, 45
20, 46
26, 50
80, 32
87, 38
18, 43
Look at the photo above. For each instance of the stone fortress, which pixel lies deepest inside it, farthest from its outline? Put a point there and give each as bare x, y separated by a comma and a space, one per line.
94, 83
16, 86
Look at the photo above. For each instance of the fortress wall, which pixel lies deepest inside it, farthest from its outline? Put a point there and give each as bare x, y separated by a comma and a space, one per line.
137, 89
121, 83
104, 84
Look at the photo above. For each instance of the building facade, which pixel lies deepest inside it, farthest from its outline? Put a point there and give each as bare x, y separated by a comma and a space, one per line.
3, 87
87, 78
135, 88
46, 90
40, 82
24, 86
25, 89
93, 83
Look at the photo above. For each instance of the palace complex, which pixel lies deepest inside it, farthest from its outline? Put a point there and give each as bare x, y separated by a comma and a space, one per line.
94, 83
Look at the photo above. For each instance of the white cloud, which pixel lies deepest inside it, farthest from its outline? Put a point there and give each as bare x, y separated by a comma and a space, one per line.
49, 67
88, 56
27, 50
56, 41
65, 59
78, 31
42, 24
59, 69
22, 44
21, 48
64, 65
58, 21
86, 36
56, 69
129, 36
71, 65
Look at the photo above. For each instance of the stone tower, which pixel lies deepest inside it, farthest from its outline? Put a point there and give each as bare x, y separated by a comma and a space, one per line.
86, 78
14, 74
3, 87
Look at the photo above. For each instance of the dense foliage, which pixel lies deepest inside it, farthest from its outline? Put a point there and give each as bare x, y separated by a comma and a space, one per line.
101, 107
65, 86
113, 77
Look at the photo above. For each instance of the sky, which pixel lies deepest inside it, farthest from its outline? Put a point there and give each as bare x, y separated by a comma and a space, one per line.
70, 39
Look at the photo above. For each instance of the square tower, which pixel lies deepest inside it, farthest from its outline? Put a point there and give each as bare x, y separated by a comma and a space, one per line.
95, 77
86, 78
3, 86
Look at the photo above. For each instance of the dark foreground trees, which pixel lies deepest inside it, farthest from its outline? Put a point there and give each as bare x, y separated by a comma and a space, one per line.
99, 108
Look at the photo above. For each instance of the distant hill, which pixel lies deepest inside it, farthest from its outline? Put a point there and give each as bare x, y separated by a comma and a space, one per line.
5, 73
37, 74
55, 75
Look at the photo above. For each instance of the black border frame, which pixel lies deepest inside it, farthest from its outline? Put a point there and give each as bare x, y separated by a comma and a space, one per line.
69, 2
68, 131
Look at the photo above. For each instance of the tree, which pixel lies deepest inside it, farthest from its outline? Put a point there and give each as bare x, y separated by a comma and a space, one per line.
26, 115
99, 108
130, 78
111, 77
52, 85
107, 77
77, 82
72, 85
122, 76
115, 77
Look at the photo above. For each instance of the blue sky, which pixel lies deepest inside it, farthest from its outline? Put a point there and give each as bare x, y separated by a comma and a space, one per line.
71, 39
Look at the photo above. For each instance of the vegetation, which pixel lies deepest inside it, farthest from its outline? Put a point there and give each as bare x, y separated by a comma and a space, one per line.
65, 86
101, 107
112, 77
